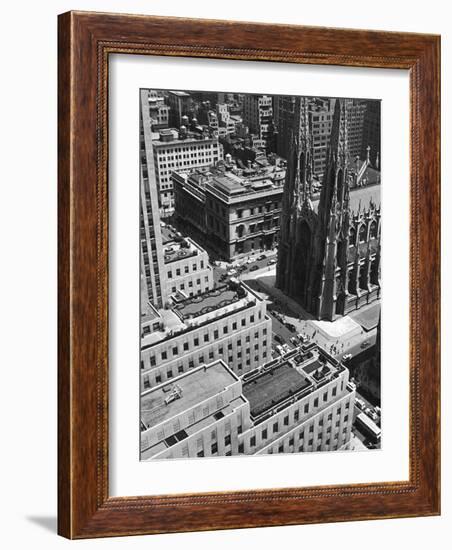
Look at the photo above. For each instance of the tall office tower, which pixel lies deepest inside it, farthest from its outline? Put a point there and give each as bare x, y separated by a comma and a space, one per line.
152, 261
301, 402
284, 110
258, 116
320, 123
329, 259
371, 133
356, 111
180, 104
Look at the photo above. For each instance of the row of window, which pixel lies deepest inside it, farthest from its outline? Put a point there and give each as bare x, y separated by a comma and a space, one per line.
208, 337
178, 271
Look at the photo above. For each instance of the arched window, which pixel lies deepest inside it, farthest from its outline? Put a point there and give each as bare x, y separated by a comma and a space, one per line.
352, 236
362, 233
340, 185
302, 161
373, 230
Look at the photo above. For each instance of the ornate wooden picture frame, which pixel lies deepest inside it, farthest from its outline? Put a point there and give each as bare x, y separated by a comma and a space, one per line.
86, 41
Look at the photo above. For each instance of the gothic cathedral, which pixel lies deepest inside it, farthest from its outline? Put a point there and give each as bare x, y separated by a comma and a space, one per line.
329, 251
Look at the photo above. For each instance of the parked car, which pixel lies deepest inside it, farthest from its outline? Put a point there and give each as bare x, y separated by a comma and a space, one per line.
254, 268
262, 257
280, 350
279, 339
291, 327
294, 341
232, 272
272, 261
347, 357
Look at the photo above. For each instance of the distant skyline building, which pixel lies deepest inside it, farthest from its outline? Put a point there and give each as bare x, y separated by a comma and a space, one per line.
329, 254
302, 402
258, 116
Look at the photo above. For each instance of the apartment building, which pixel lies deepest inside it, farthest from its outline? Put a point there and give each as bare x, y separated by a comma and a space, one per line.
258, 116
302, 402
229, 322
181, 150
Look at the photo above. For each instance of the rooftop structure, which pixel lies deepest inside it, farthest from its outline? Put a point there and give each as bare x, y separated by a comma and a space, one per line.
209, 302
185, 391
272, 387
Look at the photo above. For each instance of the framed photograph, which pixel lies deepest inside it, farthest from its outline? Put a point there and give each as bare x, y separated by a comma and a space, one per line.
249, 258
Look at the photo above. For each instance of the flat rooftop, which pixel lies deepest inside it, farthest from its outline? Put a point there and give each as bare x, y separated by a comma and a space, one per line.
175, 251
208, 301
195, 386
272, 387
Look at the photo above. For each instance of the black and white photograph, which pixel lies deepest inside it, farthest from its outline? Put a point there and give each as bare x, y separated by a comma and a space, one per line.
260, 274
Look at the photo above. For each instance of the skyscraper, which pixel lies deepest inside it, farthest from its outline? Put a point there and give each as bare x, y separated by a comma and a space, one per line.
152, 261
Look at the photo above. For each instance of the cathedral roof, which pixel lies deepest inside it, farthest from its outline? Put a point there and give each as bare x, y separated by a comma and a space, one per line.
360, 197
363, 196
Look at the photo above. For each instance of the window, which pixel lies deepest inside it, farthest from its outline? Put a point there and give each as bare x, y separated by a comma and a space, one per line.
215, 334
185, 346
191, 364
225, 329
296, 416
234, 326
164, 355
306, 408
158, 378
316, 402
206, 337
152, 361
180, 368
240, 449
200, 453
169, 374
214, 448
196, 341
253, 441
291, 442
275, 427
264, 433
227, 440
325, 396
175, 350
